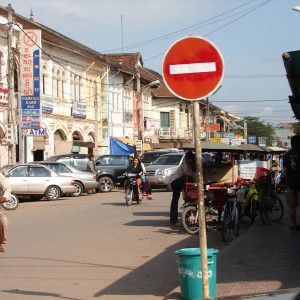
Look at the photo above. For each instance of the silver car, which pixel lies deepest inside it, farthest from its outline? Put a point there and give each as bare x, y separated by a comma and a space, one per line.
160, 172
38, 181
83, 181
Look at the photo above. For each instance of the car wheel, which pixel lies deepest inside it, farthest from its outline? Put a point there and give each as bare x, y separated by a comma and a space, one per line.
52, 192
79, 189
106, 184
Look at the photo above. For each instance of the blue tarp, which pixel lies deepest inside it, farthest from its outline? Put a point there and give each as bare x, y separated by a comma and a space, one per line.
120, 148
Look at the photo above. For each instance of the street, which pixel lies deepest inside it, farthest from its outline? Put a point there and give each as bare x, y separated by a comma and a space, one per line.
91, 246
97, 247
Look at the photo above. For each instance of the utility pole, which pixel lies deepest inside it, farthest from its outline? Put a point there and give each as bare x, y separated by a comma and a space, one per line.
207, 120
245, 132
96, 118
12, 108
140, 112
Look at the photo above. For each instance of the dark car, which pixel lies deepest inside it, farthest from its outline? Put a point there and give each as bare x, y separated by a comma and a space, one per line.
109, 168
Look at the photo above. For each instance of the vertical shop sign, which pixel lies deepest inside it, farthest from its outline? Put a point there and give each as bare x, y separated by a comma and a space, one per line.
30, 41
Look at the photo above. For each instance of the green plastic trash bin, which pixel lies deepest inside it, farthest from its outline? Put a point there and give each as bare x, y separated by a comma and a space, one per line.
190, 272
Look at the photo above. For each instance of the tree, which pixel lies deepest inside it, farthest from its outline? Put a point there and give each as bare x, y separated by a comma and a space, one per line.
296, 127
257, 128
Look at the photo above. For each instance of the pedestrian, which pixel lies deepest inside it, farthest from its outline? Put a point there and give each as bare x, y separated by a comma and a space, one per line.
4, 185
177, 183
90, 164
291, 166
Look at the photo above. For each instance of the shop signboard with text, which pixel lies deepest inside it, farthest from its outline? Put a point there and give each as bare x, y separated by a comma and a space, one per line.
30, 45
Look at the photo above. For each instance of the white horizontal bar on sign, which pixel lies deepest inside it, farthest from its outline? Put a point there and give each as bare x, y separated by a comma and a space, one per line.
193, 68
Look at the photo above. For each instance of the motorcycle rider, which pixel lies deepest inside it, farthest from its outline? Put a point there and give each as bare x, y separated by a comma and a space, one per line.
136, 168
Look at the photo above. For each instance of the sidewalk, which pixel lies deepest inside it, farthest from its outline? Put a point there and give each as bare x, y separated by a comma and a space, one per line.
264, 259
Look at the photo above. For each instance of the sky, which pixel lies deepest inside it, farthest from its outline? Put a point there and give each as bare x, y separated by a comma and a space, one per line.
251, 36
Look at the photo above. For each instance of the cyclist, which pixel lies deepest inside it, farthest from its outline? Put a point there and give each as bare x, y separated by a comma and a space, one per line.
291, 165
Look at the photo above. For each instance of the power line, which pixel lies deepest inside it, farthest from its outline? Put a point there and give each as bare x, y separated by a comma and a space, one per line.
221, 27
176, 33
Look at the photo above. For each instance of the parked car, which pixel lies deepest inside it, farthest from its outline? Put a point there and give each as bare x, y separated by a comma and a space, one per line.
38, 181
109, 168
83, 181
159, 173
148, 157
78, 161
5, 168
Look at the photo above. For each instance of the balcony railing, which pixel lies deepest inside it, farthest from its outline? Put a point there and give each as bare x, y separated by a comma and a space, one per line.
186, 133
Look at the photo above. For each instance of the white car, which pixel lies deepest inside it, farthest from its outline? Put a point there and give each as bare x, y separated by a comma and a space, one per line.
38, 181
83, 181
159, 173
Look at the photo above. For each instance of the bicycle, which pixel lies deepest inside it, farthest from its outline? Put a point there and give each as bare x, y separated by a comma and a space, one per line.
230, 217
270, 204
249, 198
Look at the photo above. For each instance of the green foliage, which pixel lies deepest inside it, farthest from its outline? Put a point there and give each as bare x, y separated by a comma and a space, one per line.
257, 128
296, 127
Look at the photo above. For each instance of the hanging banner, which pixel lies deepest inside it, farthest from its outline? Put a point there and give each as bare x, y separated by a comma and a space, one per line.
30, 44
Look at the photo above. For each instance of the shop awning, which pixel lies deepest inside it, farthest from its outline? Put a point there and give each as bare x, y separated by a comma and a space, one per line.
212, 146
277, 149
253, 148
130, 142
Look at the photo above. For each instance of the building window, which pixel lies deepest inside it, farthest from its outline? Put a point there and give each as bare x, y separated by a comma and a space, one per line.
164, 119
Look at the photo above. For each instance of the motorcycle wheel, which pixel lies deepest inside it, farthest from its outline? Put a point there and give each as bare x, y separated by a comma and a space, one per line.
275, 211
190, 220
225, 226
128, 196
11, 204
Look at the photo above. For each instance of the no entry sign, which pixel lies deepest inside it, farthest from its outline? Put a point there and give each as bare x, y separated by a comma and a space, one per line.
193, 68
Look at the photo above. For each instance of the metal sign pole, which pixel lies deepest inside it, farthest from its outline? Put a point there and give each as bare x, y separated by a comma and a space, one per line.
201, 207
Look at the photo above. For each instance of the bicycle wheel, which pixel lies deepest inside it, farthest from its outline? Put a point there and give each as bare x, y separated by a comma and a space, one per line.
262, 205
225, 225
236, 221
128, 196
275, 209
252, 210
190, 219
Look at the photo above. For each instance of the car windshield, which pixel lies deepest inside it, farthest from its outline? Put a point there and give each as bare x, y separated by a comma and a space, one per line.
169, 159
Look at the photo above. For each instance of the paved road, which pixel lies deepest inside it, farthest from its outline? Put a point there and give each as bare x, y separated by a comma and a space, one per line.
91, 246
95, 247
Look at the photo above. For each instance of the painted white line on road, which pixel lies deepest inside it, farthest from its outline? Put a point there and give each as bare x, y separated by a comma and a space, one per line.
193, 68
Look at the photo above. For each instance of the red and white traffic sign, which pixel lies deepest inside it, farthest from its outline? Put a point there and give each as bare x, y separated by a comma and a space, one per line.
193, 68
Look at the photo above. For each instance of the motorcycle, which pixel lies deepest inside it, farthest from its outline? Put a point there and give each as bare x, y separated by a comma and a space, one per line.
131, 189
11, 204
190, 213
280, 181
